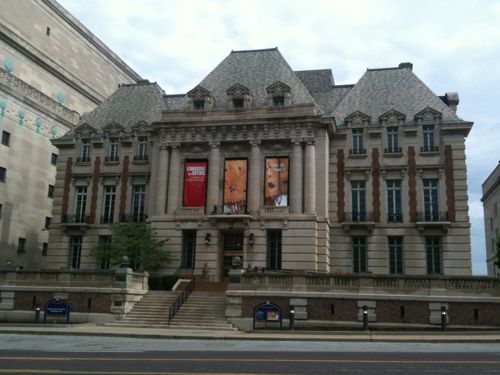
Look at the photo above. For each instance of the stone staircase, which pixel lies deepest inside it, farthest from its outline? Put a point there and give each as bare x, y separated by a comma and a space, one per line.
205, 309
151, 311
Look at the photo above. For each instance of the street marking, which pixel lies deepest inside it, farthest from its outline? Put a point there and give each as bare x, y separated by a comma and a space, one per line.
278, 360
37, 371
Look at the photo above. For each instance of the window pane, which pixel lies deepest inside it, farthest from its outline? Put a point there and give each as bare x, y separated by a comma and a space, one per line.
274, 249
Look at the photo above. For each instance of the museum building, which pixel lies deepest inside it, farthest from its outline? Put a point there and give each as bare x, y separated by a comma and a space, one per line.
283, 168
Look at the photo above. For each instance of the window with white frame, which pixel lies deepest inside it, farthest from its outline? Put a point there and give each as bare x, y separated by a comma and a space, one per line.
75, 252
142, 148
113, 149
395, 255
431, 199
138, 202
108, 209
80, 204
429, 142
357, 142
394, 211
434, 256
84, 151
393, 140
359, 258
358, 200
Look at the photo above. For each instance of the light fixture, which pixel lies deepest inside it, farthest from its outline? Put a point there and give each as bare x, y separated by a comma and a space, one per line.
208, 237
251, 239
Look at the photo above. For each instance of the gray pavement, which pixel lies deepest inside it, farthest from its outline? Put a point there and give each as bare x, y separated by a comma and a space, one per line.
259, 335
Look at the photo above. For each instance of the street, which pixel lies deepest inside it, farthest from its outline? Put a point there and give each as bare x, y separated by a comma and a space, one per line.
48, 354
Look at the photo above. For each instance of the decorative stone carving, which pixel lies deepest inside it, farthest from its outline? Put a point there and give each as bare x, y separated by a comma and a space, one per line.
357, 120
113, 129
392, 118
279, 89
238, 92
199, 93
85, 131
428, 116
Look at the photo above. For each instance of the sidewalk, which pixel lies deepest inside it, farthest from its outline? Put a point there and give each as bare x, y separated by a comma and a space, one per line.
285, 335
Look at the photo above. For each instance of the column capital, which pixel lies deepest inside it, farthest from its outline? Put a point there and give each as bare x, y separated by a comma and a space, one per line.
214, 144
311, 142
175, 146
296, 142
255, 143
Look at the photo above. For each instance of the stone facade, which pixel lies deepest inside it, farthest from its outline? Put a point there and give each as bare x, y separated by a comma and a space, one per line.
377, 183
491, 203
51, 70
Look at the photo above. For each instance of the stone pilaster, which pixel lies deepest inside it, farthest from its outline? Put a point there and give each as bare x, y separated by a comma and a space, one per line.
376, 185
310, 179
450, 182
213, 177
67, 186
254, 180
412, 184
95, 189
296, 178
161, 180
124, 187
174, 179
340, 186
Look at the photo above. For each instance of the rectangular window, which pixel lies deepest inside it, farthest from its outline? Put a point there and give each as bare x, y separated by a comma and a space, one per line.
104, 261
428, 132
47, 222
188, 249
21, 245
75, 252
395, 255
358, 201
85, 151
431, 203
80, 204
434, 259
235, 186
195, 184
3, 173
53, 159
1, 210
50, 193
274, 249
238, 103
113, 149
138, 202
142, 148
108, 209
199, 104
359, 254
278, 101
45, 248
276, 182
394, 212
357, 141
5, 138
393, 140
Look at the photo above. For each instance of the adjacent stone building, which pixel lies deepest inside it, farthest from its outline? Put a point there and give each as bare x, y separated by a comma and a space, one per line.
491, 201
51, 70
282, 168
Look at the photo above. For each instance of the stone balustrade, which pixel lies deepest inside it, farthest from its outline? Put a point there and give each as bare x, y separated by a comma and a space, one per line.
397, 284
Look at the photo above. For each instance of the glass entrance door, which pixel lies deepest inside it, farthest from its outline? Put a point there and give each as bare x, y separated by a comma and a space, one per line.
233, 246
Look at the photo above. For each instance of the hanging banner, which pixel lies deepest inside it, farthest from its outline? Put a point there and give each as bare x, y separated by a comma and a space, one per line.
195, 184
235, 186
276, 183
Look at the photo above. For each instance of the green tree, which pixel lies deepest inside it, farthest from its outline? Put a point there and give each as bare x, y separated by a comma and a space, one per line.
138, 242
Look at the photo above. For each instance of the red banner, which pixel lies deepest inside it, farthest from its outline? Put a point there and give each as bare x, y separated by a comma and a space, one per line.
195, 183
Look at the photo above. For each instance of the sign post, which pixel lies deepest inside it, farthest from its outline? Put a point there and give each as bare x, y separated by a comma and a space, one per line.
268, 312
57, 307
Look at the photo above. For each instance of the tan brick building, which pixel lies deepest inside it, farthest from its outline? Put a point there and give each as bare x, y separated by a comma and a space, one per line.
285, 169
51, 70
491, 201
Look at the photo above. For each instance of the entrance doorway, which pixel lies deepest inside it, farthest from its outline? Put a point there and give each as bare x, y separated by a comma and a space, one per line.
233, 246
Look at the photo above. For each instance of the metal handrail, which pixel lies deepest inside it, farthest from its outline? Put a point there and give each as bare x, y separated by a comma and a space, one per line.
179, 301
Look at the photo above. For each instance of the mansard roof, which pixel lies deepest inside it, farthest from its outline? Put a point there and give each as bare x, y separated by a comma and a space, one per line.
130, 104
380, 90
256, 70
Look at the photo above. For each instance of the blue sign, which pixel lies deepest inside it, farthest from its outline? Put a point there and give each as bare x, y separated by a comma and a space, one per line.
57, 307
268, 312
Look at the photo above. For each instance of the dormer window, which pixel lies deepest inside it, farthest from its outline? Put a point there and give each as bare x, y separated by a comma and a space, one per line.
200, 99
199, 104
278, 101
238, 103
279, 95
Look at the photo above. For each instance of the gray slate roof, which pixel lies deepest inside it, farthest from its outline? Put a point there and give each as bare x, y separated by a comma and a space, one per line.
380, 90
256, 69
127, 106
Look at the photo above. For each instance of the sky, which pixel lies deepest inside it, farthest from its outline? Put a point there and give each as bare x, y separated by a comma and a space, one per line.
454, 47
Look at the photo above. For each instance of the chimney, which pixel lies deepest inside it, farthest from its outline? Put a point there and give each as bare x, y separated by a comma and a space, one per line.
451, 99
406, 65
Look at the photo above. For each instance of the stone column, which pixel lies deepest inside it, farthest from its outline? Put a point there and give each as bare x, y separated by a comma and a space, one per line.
296, 178
254, 178
310, 178
161, 180
213, 177
174, 178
